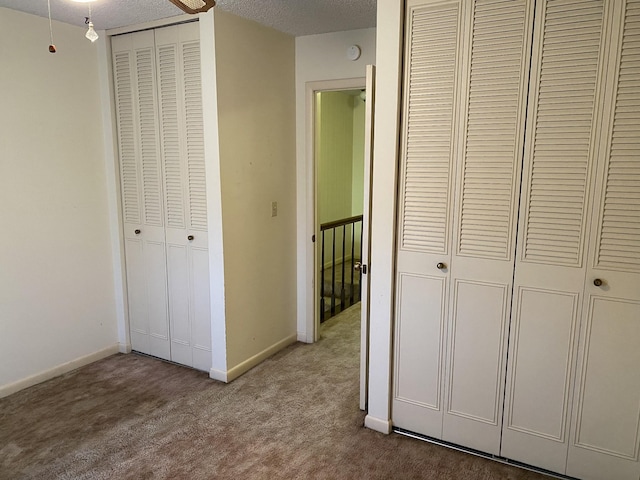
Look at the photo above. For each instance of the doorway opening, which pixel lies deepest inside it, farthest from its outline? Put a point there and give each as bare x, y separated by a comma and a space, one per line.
339, 153
352, 135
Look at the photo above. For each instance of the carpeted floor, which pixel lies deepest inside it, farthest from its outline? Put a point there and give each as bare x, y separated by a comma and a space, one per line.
295, 416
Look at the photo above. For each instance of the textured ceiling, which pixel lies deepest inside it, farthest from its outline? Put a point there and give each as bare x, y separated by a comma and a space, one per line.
295, 17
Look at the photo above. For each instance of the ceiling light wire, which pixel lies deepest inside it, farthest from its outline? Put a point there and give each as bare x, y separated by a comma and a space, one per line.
52, 47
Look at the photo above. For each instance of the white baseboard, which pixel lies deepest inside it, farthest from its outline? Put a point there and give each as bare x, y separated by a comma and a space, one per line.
218, 375
302, 337
6, 390
124, 347
377, 424
235, 372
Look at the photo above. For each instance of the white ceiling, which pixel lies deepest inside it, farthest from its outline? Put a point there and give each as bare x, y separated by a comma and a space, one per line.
295, 17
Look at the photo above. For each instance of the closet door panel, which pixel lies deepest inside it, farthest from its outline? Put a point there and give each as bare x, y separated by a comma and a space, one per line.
606, 440
567, 75
156, 280
137, 295
141, 190
182, 139
430, 91
478, 330
419, 356
201, 308
537, 412
178, 267
558, 162
493, 108
606, 429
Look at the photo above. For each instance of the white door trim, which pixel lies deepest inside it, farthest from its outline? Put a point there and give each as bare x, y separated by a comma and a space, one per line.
366, 235
310, 302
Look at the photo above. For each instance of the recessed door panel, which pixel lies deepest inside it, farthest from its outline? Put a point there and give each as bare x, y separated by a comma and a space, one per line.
200, 311
156, 280
419, 337
606, 433
178, 265
477, 339
137, 298
544, 325
609, 401
539, 376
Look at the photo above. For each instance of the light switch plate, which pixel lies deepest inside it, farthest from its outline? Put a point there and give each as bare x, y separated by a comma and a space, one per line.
274, 209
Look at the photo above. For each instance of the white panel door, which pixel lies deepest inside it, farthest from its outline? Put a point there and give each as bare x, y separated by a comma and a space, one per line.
493, 107
465, 103
430, 92
560, 146
141, 189
605, 436
366, 235
182, 140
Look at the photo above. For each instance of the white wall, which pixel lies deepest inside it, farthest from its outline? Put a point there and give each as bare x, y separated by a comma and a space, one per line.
383, 218
256, 119
318, 58
57, 301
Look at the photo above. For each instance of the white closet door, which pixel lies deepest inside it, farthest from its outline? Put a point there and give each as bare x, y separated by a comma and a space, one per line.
605, 437
430, 83
492, 136
141, 189
566, 81
182, 139
475, 135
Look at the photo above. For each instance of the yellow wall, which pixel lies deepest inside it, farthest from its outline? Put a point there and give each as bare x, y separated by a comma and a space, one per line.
57, 302
334, 155
256, 115
357, 177
340, 164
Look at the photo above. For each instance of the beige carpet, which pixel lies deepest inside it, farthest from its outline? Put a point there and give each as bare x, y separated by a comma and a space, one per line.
295, 416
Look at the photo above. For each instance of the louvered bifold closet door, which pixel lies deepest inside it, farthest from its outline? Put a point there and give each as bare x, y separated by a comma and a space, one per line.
493, 110
434, 31
567, 84
465, 100
134, 71
182, 139
605, 434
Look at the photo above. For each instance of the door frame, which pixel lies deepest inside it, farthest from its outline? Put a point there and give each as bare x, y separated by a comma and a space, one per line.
311, 254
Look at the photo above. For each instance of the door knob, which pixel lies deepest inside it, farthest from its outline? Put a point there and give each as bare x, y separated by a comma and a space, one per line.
358, 267
137, 231
190, 237
598, 282
441, 266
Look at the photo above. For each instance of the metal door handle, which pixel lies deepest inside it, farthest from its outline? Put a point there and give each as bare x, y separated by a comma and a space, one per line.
441, 266
598, 282
359, 267
190, 237
137, 231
